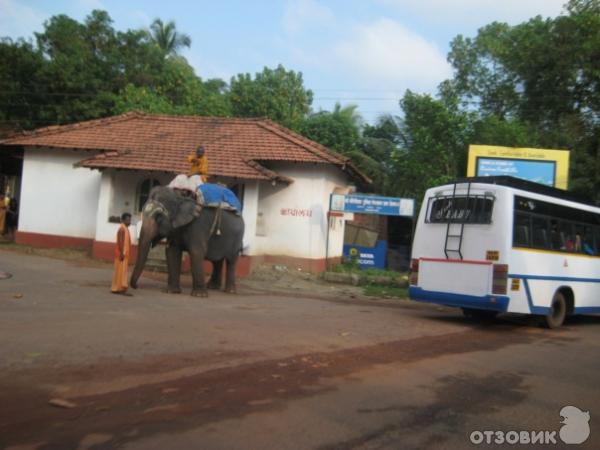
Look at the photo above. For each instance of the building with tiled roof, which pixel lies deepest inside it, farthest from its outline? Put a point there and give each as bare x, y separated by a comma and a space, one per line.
77, 178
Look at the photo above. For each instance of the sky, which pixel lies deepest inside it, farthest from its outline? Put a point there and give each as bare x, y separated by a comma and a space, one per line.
361, 52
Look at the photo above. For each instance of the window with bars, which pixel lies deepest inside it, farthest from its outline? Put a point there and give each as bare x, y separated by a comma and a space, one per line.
143, 193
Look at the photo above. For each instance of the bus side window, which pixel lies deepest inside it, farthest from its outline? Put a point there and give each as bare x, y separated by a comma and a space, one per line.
539, 232
521, 231
555, 235
587, 241
568, 236
578, 238
596, 239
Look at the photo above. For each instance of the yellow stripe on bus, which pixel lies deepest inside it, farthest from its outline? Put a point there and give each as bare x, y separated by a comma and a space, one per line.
555, 252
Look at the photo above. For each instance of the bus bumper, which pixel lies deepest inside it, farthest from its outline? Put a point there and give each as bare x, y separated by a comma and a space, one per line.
487, 302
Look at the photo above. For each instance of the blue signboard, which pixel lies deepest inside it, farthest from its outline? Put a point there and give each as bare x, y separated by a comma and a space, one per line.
371, 204
367, 257
538, 171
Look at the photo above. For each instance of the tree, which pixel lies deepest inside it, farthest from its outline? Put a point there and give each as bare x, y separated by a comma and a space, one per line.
76, 71
338, 130
177, 90
79, 67
274, 93
21, 95
433, 140
536, 83
167, 38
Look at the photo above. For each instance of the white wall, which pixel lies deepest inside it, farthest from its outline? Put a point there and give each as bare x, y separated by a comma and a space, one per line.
56, 198
292, 219
119, 194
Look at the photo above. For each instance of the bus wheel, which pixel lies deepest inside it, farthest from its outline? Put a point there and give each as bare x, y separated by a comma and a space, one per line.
479, 314
558, 312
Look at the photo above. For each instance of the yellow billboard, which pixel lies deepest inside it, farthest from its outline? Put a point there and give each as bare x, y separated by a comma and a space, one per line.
549, 167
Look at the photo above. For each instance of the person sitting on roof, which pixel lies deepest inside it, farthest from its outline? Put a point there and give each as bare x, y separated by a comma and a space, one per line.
199, 164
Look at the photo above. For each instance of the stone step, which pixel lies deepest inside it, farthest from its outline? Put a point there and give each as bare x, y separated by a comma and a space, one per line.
156, 265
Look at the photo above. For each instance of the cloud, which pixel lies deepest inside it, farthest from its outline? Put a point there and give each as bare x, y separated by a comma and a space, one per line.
480, 12
18, 20
386, 54
301, 14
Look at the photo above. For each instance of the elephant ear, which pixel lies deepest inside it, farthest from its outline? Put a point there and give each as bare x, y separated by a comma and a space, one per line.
186, 212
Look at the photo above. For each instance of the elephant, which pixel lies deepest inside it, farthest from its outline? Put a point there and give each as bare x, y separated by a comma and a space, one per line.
204, 232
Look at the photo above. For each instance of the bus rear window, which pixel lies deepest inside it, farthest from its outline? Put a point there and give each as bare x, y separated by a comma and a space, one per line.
476, 209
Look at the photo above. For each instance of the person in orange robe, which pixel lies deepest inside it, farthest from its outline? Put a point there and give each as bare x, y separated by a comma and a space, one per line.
119, 281
198, 164
3, 209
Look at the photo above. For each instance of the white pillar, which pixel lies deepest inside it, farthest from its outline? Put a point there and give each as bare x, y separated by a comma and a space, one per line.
249, 215
104, 230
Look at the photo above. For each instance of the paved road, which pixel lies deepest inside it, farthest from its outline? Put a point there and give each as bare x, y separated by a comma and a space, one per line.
264, 370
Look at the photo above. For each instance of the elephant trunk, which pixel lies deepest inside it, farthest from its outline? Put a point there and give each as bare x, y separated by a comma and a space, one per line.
148, 233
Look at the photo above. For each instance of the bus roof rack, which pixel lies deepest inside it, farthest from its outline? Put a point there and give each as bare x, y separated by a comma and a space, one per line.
530, 186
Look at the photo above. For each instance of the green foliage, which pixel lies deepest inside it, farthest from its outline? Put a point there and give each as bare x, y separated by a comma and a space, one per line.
21, 94
278, 94
178, 91
434, 136
353, 267
492, 130
338, 130
350, 266
77, 71
79, 67
536, 84
530, 85
141, 98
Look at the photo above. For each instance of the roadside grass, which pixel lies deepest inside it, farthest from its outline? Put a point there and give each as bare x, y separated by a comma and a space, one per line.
349, 267
378, 290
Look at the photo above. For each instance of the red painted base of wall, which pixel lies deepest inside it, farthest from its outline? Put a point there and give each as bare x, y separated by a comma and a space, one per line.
51, 241
105, 251
294, 263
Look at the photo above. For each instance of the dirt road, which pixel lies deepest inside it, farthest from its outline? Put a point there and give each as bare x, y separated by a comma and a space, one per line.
298, 368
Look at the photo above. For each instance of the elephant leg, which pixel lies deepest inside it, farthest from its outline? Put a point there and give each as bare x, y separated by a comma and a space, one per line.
215, 277
230, 275
174, 269
198, 276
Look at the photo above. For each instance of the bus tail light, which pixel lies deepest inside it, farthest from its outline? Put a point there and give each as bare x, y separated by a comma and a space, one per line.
500, 279
414, 272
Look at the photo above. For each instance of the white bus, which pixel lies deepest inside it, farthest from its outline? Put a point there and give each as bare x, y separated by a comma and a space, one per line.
492, 245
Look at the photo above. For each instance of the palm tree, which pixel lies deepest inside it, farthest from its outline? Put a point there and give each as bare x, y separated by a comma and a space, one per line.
168, 39
348, 113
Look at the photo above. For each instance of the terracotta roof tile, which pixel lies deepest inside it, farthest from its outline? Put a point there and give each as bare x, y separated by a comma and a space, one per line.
235, 146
